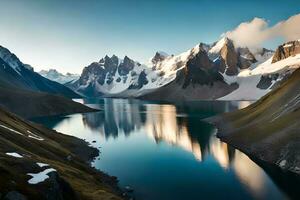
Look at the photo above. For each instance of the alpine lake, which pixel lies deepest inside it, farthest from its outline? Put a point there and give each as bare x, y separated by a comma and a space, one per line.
163, 151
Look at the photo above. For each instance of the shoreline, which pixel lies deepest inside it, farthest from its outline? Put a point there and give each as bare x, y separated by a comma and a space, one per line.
223, 133
66, 157
286, 179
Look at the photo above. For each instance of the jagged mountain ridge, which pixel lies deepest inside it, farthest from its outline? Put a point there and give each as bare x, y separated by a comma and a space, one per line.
193, 76
267, 73
111, 75
17, 74
217, 71
106, 77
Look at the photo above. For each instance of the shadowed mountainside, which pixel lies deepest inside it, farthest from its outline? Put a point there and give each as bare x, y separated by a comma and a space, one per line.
268, 129
15, 73
30, 104
28, 94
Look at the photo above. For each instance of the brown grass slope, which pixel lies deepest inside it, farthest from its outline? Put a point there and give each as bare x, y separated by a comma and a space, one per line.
270, 128
30, 104
74, 178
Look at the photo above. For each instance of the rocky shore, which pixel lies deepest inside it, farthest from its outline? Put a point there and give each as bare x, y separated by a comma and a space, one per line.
38, 163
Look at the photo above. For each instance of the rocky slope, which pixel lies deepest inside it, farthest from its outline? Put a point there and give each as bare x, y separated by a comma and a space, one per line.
54, 75
265, 75
268, 130
37, 163
15, 73
286, 50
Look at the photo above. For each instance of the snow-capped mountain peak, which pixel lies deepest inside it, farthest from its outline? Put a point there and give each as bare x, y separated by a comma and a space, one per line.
169, 65
111, 75
202, 72
158, 57
15, 74
267, 73
217, 46
12, 60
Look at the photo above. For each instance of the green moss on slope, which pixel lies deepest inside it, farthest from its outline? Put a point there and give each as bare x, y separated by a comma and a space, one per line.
68, 155
268, 129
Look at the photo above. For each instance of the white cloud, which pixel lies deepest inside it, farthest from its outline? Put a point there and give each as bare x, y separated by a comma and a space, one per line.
254, 33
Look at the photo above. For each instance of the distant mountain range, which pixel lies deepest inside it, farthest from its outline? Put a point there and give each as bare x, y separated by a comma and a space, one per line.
56, 76
206, 72
216, 71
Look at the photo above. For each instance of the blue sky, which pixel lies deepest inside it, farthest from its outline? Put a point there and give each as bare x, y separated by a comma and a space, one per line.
68, 35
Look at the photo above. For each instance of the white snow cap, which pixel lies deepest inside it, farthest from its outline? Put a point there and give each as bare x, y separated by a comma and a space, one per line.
218, 46
42, 164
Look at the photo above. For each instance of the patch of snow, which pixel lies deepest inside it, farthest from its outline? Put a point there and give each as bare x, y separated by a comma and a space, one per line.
16, 155
40, 177
287, 45
268, 67
12, 130
120, 60
229, 79
249, 78
247, 88
218, 46
282, 163
34, 136
42, 164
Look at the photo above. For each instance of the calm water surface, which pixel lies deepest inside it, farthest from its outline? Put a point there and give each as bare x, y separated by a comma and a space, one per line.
165, 151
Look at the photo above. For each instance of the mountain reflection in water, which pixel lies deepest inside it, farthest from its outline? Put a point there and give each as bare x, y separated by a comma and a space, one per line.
127, 130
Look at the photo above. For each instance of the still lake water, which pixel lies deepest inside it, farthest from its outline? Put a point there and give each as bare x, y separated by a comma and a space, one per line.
165, 152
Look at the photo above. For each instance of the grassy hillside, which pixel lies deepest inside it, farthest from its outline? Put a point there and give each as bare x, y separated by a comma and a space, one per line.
34, 104
268, 129
73, 178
